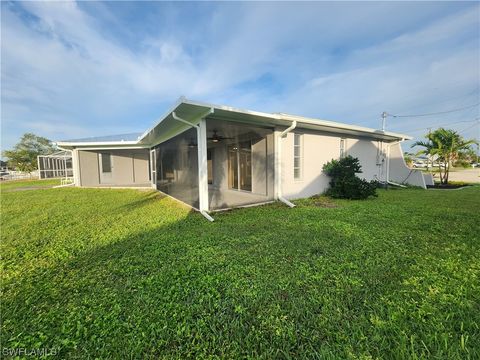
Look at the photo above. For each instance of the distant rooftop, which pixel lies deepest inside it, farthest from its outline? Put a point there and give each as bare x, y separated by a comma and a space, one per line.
113, 138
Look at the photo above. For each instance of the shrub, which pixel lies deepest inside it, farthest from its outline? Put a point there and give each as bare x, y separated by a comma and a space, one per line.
344, 183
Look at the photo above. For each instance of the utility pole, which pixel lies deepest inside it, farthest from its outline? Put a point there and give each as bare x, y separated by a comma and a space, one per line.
384, 119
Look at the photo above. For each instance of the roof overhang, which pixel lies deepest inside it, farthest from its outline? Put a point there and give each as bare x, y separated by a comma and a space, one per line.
167, 127
101, 145
192, 111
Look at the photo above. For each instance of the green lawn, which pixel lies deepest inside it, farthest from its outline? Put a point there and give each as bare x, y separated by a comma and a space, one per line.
130, 274
23, 184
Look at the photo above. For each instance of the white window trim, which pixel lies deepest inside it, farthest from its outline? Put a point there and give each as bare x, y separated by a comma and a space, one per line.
101, 163
300, 178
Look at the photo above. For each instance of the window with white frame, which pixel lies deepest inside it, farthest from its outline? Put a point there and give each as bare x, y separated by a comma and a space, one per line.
106, 162
343, 148
297, 156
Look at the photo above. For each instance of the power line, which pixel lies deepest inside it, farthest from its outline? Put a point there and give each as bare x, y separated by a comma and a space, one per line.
439, 125
468, 128
435, 113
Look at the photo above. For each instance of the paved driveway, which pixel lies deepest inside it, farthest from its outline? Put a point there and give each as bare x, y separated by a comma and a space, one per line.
467, 175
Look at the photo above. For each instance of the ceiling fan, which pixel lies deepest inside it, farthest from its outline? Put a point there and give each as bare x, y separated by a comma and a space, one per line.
217, 138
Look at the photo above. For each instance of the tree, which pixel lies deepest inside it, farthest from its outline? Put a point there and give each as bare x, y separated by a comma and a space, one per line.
24, 154
465, 159
408, 158
447, 146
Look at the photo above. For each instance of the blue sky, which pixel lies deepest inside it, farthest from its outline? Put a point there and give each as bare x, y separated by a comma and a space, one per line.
77, 69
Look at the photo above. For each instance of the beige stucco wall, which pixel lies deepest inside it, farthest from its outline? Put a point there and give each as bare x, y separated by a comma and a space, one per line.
140, 167
320, 148
129, 167
372, 155
88, 168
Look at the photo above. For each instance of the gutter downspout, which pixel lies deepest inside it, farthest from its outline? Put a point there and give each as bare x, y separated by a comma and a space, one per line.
197, 127
282, 135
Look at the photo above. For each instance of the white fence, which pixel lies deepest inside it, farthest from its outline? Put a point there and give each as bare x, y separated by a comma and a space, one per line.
18, 175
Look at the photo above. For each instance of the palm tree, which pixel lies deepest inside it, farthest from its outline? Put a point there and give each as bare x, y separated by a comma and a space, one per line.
408, 157
446, 146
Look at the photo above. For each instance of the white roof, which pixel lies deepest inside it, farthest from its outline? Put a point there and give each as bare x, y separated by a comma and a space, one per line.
166, 127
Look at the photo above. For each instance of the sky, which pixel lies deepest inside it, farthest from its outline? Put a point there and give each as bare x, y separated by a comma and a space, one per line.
80, 69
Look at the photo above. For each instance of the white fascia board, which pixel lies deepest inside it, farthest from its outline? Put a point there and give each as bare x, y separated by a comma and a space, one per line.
304, 120
183, 100
278, 119
112, 147
337, 125
105, 144
233, 109
160, 119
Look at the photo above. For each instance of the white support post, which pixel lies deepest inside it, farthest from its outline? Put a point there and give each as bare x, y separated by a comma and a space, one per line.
202, 165
387, 175
278, 164
76, 167
38, 165
153, 168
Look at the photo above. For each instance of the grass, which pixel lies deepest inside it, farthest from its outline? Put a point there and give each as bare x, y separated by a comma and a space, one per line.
22, 184
105, 273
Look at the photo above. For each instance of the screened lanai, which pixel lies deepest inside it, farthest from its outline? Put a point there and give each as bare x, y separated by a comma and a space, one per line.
239, 165
56, 165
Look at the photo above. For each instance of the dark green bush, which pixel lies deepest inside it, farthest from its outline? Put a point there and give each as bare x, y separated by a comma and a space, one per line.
344, 183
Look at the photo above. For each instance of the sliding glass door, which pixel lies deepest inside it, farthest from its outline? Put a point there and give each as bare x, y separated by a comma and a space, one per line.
240, 166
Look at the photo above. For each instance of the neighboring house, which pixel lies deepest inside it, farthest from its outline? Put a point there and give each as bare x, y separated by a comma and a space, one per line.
215, 157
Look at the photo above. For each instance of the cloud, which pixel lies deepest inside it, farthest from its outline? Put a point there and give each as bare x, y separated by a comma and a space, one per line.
77, 69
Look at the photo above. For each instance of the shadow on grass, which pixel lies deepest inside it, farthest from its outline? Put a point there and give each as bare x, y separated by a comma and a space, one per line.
234, 288
145, 199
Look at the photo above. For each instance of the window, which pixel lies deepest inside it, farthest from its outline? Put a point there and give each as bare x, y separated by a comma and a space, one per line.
343, 148
297, 156
106, 162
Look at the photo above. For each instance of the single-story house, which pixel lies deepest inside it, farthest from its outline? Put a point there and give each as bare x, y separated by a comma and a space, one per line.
216, 157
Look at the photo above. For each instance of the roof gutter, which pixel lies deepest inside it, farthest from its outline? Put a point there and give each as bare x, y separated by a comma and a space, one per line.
282, 135
100, 144
344, 127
